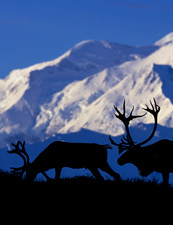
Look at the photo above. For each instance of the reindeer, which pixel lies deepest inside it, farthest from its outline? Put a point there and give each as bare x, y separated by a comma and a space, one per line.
155, 157
62, 154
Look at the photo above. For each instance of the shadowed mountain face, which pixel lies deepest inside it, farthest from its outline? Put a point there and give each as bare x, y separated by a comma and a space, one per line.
78, 90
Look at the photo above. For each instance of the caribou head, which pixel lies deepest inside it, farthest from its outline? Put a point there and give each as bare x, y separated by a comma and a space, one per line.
132, 154
27, 166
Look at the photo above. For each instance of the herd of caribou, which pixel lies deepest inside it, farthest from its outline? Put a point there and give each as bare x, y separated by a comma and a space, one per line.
155, 157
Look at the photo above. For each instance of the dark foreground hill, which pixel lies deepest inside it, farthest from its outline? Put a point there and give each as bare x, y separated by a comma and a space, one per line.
81, 199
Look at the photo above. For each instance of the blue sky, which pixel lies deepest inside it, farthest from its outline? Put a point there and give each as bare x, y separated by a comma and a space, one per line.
33, 31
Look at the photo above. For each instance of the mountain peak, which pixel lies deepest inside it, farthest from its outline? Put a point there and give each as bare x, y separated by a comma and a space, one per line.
165, 40
77, 90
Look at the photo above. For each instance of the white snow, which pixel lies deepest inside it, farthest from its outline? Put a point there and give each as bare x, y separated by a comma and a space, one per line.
78, 90
165, 40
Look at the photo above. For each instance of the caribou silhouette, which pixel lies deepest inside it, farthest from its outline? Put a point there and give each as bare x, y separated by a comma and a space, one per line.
155, 157
62, 154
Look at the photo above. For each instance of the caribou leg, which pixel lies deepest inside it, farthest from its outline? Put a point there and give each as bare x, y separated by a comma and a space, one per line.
47, 177
96, 173
57, 173
165, 176
110, 171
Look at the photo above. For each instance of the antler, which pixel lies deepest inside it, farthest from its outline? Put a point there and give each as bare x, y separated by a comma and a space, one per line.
154, 111
22, 153
121, 116
126, 142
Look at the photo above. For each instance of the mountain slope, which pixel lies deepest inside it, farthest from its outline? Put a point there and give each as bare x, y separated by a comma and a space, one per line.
137, 82
165, 40
78, 90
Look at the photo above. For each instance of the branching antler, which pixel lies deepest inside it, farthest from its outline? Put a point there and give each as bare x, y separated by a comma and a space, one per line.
127, 141
154, 111
123, 118
22, 153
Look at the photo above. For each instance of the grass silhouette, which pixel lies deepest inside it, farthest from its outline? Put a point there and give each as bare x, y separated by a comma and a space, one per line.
84, 191
8, 179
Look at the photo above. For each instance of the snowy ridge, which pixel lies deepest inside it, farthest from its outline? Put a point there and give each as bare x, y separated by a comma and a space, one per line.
165, 40
78, 90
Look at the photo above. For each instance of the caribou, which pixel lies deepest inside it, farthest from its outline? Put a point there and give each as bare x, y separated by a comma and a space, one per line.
61, 154
154, 157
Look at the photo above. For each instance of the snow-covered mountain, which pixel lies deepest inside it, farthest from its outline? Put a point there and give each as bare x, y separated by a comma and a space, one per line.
78, 90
